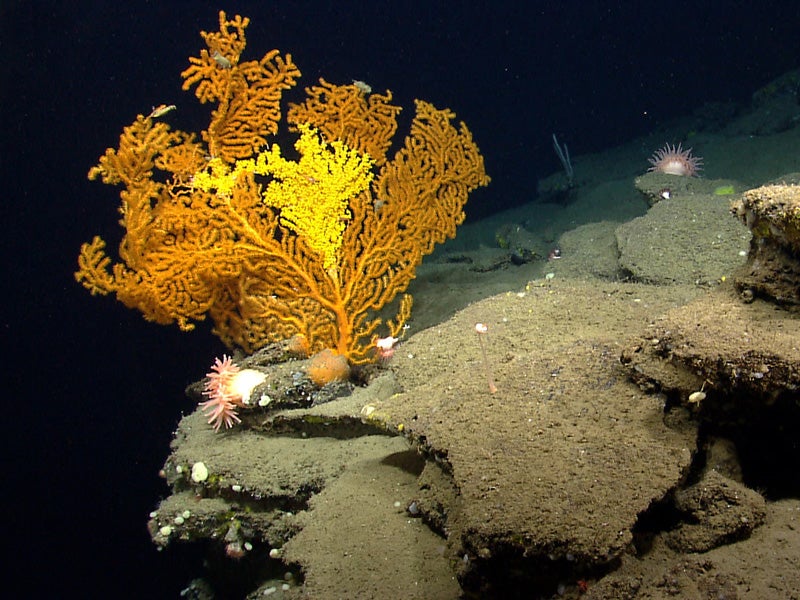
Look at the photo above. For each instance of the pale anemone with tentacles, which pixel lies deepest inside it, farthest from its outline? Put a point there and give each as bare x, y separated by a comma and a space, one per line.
228, 388
674, 160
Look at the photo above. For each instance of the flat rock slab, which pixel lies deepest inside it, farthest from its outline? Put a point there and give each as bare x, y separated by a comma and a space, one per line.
357, 541
340, 503
763, 566
558, 464
531, 485
737, 366
738, 353
686, 239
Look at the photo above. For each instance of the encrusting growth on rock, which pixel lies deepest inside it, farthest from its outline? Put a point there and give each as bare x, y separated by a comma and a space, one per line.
225, 225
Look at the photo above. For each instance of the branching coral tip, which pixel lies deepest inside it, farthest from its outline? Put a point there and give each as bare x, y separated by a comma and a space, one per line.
482, 330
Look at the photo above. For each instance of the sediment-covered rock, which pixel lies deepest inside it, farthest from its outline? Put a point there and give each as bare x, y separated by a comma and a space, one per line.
772, 213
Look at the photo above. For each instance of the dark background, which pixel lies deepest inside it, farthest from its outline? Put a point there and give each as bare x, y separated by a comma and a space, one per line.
95, 391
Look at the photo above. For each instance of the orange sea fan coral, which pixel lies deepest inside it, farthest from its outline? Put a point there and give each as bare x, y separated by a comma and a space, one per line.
227, 226
365, 122
247, 94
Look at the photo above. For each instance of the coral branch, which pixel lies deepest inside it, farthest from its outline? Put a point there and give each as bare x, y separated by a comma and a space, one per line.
227, 226
364, 122
247, 94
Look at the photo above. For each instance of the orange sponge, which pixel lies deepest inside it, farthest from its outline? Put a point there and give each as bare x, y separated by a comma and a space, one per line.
327, 366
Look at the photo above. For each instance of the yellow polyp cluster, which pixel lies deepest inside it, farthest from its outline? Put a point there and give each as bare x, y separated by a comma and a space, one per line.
312, 194
221, 178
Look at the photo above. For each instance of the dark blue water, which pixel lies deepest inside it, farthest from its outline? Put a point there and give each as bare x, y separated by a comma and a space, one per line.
95, 391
